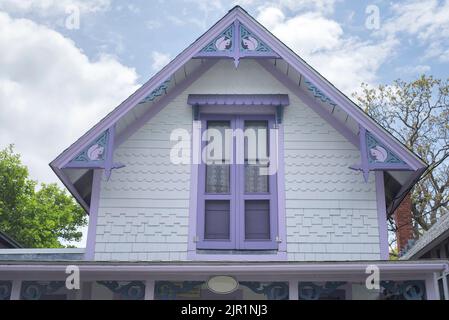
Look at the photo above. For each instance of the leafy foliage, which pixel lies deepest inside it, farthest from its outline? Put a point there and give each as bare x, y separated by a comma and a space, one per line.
35, 217
417, 113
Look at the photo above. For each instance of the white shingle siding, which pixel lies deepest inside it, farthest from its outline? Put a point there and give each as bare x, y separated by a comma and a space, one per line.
143, 212
331, 211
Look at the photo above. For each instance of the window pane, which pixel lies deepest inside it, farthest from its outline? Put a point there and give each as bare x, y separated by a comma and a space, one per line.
218, 157
257, 220
256, 156
217, 178
217, 219
256, 142
255, 182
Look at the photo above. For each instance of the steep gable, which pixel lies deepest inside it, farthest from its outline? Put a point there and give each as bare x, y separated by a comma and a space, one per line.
237, 36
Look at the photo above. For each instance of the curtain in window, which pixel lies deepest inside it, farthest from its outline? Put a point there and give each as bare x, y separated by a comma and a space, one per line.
218, 157
256, 156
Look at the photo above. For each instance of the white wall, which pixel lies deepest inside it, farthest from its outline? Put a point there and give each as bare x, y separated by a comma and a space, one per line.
331, 212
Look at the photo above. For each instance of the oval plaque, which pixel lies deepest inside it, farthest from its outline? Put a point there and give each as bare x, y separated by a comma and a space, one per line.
222, 284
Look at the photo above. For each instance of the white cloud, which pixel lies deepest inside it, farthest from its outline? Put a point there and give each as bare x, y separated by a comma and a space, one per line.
344, 60
159, 60
323, 6
413, 70
53, 7
427, 20
51, 92
271, 17
307, 33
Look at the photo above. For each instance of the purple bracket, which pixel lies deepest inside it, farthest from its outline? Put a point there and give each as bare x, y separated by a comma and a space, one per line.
237, 52
363, 153
368, 164
88, 159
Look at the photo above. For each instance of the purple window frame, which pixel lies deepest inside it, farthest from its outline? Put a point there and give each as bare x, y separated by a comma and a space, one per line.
237, 196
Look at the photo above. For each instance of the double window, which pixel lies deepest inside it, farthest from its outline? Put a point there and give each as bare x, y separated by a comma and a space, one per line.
237, 208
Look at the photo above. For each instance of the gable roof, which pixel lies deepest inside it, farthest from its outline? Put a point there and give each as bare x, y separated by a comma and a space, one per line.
191, 64
8, 242
432, 237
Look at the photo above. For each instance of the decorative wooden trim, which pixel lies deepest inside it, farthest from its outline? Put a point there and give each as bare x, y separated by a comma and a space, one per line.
93, 216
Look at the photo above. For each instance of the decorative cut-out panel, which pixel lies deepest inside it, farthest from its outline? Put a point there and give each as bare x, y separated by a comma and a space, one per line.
96, 151
318, 94
169, 290
403, 290
236, 42
271, 290
38, 290
250, 43
378, 153
159, 91
134, 290
376, 156
98, 154
331, 290
222, 43
5, 290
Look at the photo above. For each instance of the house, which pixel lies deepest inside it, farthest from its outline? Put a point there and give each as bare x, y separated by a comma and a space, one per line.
236, 172
8, 242
433, 244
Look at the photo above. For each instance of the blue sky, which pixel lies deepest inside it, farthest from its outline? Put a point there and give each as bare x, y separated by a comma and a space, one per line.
57, 81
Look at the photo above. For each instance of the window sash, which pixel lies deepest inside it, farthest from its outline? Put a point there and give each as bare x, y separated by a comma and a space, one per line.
237, 195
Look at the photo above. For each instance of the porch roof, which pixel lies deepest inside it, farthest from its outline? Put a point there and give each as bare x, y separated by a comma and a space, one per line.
356, 269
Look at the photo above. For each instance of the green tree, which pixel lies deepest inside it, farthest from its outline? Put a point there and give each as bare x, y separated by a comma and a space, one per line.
417, 113
35, 217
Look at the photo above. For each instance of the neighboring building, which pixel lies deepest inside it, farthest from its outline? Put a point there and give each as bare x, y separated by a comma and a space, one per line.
8, 242
433, 244
164, 225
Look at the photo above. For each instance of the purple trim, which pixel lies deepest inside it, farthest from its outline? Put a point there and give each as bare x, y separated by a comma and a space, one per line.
236, 54
383, 167
107, 164
282, 224
271, 195
309, 101
93, 216
363, 153
366, 166
85, 165
92, 165
237, 197
278, 268
109, 161
382, 216
332, 92
15, 290
158, 106
203, 197
193, 204
278, 256
238, 99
